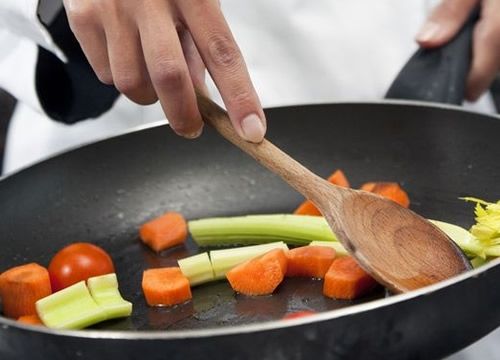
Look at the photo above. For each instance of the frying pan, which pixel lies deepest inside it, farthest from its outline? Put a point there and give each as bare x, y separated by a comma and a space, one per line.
102, 192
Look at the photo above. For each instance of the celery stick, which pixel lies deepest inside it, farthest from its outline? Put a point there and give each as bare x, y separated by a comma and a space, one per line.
461, 237
258, 229
478, 261
70, 308
225, 260
337, 246
197, 268
104, 290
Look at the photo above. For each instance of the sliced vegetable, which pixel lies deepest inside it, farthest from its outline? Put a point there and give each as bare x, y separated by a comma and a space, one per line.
464, 239
309, 261
225, 260
478, 261
104, 290
389, 190
70, 308
30, 320
165, 286
298, 314
346, 280
487, 228
337, 246
164, 232
21, 287
308, 208
77, 262
198, 269
259, 276
258, 229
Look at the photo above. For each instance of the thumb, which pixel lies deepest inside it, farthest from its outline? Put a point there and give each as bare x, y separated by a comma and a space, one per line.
444, 22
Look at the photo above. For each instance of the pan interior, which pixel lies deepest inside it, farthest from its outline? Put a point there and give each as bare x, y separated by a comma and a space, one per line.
101, 193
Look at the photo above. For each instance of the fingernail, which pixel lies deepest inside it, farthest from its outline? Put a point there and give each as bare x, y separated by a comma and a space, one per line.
428, 32
194, 134
253, 128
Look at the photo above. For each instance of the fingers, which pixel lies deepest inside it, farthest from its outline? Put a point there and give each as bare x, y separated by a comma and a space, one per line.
126, 59
90, 34
168, 70
485, 51
225, 63
194, 61
444, 22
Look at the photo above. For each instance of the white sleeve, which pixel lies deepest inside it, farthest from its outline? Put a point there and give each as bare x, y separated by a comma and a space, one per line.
21, 18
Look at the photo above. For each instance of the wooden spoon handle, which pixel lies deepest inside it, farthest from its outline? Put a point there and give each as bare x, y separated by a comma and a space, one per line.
299, 177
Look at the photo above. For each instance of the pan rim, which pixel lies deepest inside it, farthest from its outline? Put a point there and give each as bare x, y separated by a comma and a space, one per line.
6, 323
164, 122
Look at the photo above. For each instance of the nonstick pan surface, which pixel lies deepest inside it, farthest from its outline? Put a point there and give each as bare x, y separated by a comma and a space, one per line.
102, 192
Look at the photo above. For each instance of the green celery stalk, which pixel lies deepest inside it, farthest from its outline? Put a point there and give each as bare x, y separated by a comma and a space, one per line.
252, 229
337, 246
70, 308
198, 269
463, 238
225, 260
478, 261
104, 290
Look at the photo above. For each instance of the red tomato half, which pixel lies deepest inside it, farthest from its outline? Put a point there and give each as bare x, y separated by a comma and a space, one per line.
78, 262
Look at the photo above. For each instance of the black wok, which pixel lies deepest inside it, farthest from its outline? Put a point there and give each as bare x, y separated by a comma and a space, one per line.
102, 192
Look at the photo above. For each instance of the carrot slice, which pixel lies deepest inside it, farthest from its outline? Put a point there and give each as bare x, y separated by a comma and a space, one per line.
298, 314
345, 279
259, 276
390, 190
165, 286
338, 178
308, 208
30, 319
311, 261
21, 287
164, 232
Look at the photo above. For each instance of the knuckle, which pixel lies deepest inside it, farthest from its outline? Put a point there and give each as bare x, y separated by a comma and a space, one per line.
105, 76
128, 83
222, 51
168, 73
79, 17
241, 96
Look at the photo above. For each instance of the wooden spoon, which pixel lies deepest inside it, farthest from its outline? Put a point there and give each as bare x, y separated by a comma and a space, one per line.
399, 248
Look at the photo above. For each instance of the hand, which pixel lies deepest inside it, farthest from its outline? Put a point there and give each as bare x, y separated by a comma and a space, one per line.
447, 19
158, 49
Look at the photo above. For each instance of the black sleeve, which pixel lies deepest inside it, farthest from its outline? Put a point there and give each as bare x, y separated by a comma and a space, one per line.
69, 92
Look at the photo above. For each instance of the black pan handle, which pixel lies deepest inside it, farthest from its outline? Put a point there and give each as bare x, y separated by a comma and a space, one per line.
437, 75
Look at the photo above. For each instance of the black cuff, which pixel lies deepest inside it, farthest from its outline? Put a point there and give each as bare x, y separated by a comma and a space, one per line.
69, 92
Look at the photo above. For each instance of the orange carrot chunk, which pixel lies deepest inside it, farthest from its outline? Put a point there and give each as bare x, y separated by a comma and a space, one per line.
165, 286
259, 276
310, 261
164, 232
346, 280
21, 287
338, 178
308, 208
298, 314
30, 319
389, 190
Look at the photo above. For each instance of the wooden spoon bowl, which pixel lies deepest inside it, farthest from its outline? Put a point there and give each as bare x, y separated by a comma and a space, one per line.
399, 248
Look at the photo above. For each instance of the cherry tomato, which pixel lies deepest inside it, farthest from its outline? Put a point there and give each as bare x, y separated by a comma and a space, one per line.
298, 314
78, 262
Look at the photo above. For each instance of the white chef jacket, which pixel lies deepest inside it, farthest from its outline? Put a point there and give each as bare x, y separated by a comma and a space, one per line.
297, 52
